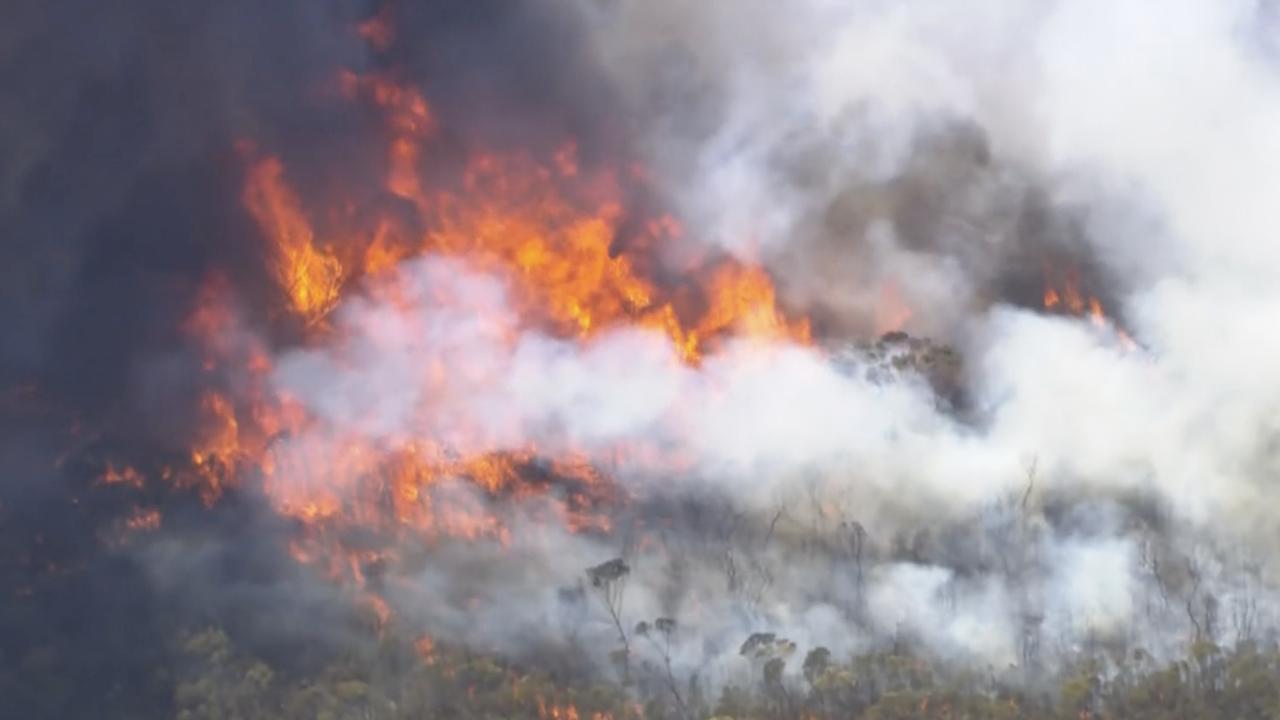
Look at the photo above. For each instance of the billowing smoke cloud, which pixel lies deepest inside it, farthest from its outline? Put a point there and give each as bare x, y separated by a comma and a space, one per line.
1094, 488
917, 164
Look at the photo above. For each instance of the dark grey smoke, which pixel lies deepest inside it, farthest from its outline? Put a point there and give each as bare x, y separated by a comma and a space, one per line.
1087, 491
119, 195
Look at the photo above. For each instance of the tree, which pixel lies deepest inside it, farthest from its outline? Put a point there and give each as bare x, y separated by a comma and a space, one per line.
659, 635
219, 684
609, 579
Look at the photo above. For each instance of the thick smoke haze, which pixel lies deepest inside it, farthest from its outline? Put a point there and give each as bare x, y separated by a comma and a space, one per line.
1057, 481
938, 148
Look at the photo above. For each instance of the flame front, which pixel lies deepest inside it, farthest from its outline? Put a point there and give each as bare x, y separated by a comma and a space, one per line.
550, 228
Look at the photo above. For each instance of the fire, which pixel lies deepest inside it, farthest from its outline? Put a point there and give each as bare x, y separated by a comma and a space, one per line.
143, 519
1051, 298
409, 121
1066, 297
892, 312
380, 608
568, 711
140, 519
548, 226
126, 475
378, 30
311, 276
742, 299
553, 228
1096, 315
1063, 294
217, 455
426, 649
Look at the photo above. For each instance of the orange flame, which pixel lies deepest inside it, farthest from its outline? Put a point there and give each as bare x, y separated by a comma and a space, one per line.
892, 312
139, 520
426, 649
551, 227
126, 476
378, 30
1051, 298
310, 276
1066, 297
143, 519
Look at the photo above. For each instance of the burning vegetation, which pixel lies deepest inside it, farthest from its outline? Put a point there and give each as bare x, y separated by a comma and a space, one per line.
550, 228
628, 361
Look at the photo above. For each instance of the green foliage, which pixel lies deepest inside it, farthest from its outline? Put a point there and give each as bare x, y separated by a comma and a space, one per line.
223, 684
1208, 684
216, 680
816, 666
389, 682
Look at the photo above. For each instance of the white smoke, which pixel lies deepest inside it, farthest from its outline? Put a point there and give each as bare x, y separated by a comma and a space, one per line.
1158, 123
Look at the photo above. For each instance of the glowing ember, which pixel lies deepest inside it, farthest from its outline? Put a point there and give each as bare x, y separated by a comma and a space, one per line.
143, 519
126, 476
426, 649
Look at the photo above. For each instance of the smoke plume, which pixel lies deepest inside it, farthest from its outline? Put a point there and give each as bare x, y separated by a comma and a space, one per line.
1071, 200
